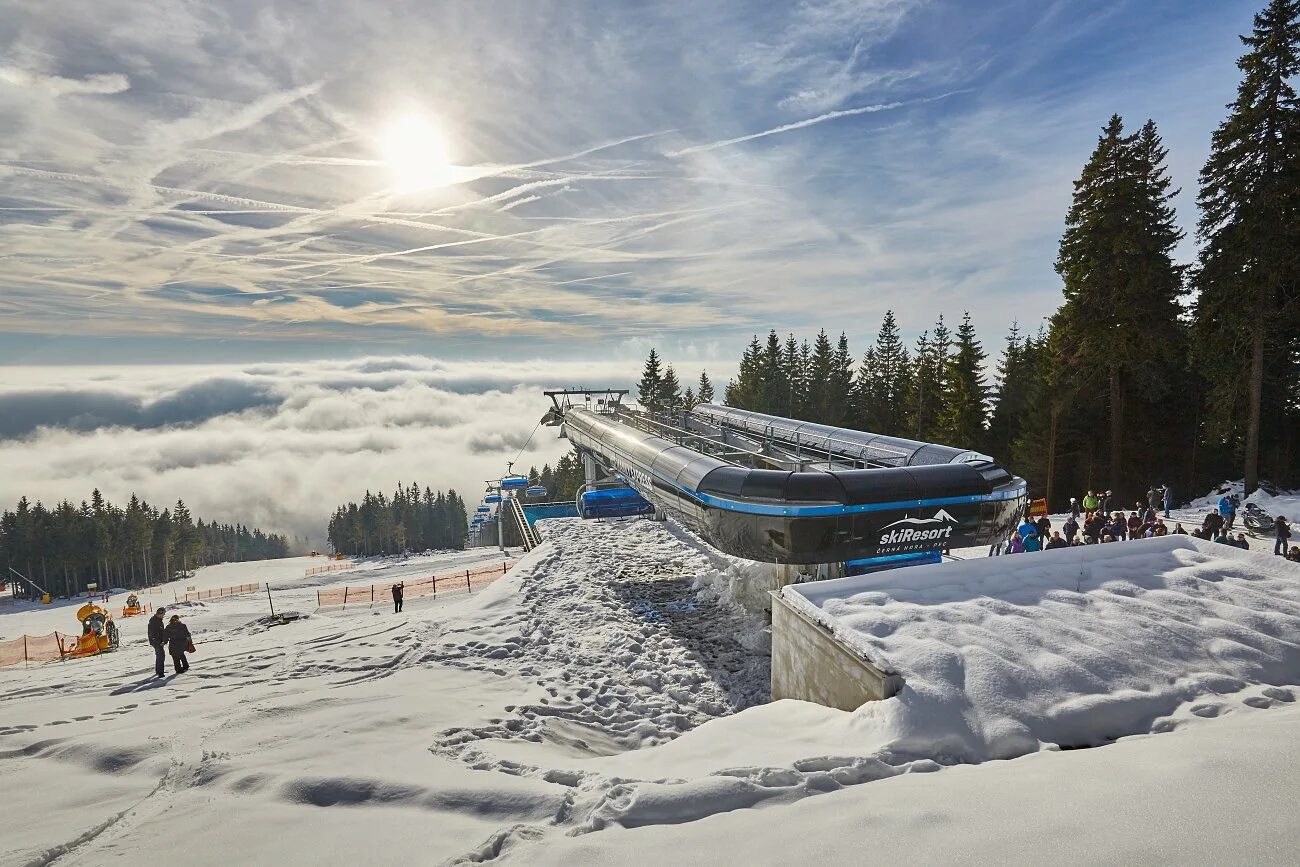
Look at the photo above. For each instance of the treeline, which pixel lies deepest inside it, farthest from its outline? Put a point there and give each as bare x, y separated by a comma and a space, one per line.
68, 547
411, 520
1127, 384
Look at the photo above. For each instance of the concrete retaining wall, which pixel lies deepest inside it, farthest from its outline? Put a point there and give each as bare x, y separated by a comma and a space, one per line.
809, 664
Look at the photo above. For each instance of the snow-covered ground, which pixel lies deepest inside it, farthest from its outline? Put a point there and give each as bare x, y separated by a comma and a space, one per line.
604, 703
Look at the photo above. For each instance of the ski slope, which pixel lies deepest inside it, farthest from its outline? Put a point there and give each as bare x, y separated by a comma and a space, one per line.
605, 703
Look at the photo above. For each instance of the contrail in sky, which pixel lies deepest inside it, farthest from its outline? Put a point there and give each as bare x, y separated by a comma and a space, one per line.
800, 124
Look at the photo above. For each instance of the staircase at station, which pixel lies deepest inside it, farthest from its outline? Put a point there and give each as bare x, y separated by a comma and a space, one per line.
526, 532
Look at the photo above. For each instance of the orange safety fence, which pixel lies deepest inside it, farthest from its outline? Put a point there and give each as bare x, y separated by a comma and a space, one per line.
199, 595
451, 582
333, 567
35, 648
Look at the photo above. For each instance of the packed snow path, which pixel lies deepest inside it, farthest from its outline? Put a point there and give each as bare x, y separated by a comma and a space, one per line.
610, 623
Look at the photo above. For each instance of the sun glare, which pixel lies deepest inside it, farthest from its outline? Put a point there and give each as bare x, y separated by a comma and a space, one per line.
416, 153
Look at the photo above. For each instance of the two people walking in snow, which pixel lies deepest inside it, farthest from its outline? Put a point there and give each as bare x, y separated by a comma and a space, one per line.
174, 637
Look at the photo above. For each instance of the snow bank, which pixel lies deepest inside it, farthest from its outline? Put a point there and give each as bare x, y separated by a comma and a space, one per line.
1004, 655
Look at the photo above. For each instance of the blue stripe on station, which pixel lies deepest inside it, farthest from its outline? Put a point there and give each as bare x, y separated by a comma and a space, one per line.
840, 509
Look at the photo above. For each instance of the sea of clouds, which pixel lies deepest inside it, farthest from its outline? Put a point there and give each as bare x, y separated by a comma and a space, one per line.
278, 445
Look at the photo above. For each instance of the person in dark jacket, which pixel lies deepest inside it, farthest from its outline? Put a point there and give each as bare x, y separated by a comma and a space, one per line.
157, 642
1056, 541
178, 641
1283, 532
1169, 499
1044, 526
1071, 529
1155, 498
398, 589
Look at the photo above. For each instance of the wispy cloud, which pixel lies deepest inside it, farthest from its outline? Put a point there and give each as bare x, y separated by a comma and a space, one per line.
212, 172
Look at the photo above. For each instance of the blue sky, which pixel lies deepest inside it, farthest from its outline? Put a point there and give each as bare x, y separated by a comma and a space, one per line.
233, 181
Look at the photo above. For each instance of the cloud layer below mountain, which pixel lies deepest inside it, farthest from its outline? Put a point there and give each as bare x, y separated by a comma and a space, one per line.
276, 445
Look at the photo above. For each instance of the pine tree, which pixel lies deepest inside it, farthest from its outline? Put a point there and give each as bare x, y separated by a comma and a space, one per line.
650, 388
670, 391
1118, 333
704, 393
689, 400
821, 391
795, 380
965, 408
775, 385
884, 378
746, 390
1247, 319
841, 384
1010, 397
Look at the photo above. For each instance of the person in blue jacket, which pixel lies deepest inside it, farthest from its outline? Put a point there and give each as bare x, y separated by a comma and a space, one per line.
1169, 499
1026, 527
1228, 510
1032, 542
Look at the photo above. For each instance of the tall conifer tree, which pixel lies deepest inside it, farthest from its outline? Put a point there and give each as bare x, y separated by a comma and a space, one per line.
1247, 325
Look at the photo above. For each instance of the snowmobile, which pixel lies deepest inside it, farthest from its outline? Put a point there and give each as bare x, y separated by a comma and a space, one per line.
1257, 520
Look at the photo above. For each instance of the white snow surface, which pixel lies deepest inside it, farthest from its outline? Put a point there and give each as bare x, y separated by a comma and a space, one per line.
604, 703
1072, 647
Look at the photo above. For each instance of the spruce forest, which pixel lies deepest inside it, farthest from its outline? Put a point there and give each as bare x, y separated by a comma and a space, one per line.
1150, 372
411, 520
64, 549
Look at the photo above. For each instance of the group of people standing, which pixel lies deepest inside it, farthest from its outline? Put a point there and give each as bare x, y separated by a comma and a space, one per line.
174, 638
1092, 522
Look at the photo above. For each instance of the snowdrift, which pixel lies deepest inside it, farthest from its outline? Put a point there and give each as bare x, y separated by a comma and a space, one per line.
1077, 647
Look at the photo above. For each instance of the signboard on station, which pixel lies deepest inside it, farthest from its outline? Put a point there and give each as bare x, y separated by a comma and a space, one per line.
1037, 508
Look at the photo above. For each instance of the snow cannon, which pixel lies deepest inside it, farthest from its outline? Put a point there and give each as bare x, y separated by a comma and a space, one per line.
511, 483
613, 503
98, 632
535, 492
133, 606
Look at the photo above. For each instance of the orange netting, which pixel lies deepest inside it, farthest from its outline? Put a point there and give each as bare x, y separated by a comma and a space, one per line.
217, 592
35, 648
452, 582
333, 567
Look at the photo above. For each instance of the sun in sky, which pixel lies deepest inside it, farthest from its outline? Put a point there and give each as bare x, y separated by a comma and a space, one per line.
415, 151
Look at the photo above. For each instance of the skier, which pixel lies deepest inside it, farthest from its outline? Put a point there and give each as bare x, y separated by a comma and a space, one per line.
1283, 531
397, 597
156, 641
1169, 499
178, 643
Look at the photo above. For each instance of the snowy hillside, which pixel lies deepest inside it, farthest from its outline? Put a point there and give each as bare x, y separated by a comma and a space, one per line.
604, 704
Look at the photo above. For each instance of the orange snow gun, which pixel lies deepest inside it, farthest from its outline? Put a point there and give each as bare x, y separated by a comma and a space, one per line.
98, 632
133, 606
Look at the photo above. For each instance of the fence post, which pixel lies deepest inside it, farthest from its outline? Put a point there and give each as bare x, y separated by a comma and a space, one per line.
467, 588
345, 597
25, 646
